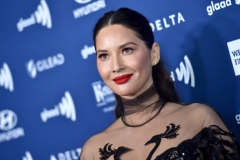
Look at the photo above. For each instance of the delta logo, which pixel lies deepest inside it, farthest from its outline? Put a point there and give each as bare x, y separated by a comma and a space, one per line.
88, 8
40, 16
219, 5
167, 22
65, 108
73, 154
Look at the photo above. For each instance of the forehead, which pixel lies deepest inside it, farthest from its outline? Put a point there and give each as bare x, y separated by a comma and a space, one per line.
115, 35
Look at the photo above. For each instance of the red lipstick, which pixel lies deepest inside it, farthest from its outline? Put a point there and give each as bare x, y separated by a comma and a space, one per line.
122, 79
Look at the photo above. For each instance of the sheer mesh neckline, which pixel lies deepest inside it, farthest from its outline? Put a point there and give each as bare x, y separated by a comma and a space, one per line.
147, 99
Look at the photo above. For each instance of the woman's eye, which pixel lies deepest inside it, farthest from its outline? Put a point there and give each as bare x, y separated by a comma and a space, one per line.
127, 50
103, 56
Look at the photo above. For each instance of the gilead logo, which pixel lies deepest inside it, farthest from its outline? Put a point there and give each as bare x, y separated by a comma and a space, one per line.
217, 6
6, 80
44, 64
41, 16
234, 51
65, 108
184, 72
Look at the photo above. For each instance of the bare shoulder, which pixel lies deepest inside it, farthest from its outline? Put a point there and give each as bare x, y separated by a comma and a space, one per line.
88, 152
204, 114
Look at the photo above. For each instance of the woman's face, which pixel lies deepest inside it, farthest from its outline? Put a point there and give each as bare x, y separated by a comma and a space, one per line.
123, 60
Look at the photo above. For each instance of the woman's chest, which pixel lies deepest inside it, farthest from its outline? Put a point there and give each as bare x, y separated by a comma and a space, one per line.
142, 144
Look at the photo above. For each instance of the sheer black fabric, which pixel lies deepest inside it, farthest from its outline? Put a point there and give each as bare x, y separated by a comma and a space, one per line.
147, 99
211, 144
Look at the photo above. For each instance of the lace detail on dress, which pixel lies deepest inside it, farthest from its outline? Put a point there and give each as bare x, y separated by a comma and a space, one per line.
210, 143
170, 133
107, 151
207, 144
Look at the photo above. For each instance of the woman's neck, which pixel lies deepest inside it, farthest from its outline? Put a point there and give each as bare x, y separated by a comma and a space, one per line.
141, 108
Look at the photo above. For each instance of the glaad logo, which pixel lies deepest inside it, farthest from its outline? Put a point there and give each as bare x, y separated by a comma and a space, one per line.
184, 72
67, 155
44, 64
28, 156
41, 16
172, 20
103, 95
65, 108
8, 120
6, 78
238, 118
217, 6
88, 9
234, 51
86, 51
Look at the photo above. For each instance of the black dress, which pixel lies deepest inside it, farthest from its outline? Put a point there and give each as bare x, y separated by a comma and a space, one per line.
207, 144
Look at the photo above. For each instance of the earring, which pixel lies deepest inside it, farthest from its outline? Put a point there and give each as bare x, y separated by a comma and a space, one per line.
154, 62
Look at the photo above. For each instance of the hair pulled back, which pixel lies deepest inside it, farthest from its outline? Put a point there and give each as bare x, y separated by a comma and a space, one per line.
140, 25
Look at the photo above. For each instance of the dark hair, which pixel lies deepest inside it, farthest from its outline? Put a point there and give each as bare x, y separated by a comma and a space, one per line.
140, 25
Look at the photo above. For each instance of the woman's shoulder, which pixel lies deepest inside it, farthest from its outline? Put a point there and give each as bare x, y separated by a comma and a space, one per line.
200, 113
91, 147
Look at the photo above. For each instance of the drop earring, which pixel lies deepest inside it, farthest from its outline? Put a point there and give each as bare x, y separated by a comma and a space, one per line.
154, 62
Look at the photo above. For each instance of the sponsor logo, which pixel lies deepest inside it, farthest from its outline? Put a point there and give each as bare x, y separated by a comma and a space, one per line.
41, 16
44, 64
67, 155
103, 95
184, 72
234, 51
6, 80
65, 108
89, 8
82, 1
238, 118
87, 51
27, 156
217, 6
8, 120
171, 20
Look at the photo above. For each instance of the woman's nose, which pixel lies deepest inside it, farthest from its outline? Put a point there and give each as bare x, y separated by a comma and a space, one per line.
117, 64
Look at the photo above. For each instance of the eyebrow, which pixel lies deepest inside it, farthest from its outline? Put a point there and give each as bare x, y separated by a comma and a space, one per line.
122, 46
125, 44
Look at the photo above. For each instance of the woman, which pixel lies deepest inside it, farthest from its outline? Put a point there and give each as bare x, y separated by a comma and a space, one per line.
150, 124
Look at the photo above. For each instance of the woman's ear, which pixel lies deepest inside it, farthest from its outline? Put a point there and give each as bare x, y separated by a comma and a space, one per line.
155, 54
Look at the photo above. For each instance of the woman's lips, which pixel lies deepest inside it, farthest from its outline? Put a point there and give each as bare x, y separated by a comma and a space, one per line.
122, 79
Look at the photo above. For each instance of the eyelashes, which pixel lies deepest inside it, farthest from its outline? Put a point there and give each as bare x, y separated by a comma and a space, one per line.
105, 56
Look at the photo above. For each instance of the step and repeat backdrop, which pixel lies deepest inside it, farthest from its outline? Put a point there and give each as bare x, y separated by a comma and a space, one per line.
52, 98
